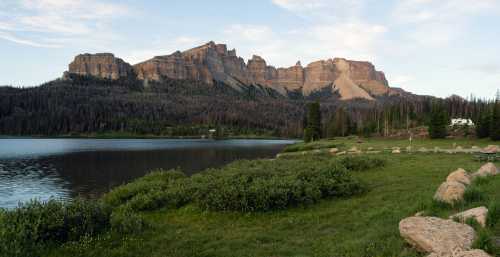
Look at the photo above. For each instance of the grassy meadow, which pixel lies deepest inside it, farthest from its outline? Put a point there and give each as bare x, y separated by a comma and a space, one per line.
245, 209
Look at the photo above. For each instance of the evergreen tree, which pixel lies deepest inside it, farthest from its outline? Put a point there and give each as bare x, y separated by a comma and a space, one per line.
438, 123
495, 120
313, 130
483, 125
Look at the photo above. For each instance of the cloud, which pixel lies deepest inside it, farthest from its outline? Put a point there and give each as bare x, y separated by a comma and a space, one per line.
422, 11
354, 40
322, 9
159, 47
437, 23
12, 38
68, 20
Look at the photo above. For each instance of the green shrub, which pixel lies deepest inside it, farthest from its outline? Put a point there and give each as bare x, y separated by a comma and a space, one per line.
474, 193
484, 241
493, 214
272, 185
31, 226
153, 191
125, 221
362, 163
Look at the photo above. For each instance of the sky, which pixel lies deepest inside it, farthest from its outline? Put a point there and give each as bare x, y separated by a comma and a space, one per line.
429, 47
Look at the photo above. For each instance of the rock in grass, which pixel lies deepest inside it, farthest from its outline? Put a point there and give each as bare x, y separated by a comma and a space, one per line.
489, 169
460, 176
435, 235
479, 214
472, 253
450, 192
334, 150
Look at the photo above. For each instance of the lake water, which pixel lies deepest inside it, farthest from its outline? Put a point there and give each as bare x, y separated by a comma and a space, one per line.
65, 168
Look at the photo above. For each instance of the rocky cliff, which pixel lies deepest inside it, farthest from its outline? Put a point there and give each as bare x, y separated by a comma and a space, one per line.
213, 62
102, 65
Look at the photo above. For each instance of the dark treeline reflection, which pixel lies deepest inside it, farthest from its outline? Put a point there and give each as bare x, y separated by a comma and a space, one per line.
92, 173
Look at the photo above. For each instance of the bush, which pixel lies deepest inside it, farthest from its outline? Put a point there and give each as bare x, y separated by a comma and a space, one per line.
484, 241
153, 191
272, 185
362, 163
493, 214
474, 193
125, 221
323, 144
28, 228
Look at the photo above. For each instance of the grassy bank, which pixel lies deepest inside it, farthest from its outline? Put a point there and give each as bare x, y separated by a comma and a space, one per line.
353, 210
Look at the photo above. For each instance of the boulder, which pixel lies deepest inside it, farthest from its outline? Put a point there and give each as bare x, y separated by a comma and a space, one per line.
460, 176
458, 253
435, 235
491, 149
489, 169
479, 214
450, 192
334, 150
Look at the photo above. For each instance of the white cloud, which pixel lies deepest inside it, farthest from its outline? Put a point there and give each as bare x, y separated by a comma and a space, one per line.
12, 38
159, 47
419, 11
354, 40
68, 20
400, 80
322, 9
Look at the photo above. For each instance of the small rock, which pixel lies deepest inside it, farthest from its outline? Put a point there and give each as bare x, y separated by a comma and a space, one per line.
458, 253
334, 150
435, 235
373, 152
353, 149
396, 151
423, 150
491, 149
460, 176
342, 153
450, 192
489, 169
479, 214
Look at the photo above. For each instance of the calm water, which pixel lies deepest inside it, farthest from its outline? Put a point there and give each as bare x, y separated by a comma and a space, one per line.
65, 168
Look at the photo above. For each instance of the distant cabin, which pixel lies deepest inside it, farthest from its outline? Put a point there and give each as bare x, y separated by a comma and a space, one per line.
462, 122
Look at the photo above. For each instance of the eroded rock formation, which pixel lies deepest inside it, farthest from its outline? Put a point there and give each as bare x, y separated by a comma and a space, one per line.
104, 65
212, 63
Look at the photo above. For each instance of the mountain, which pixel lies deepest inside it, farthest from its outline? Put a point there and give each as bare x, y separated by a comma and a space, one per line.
214, 63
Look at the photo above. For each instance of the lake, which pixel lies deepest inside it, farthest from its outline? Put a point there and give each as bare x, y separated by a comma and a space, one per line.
67, 168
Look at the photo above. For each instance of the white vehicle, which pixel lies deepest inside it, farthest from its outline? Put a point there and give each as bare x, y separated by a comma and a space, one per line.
462, 122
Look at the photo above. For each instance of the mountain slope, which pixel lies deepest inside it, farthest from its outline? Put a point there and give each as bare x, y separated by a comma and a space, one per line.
212, 63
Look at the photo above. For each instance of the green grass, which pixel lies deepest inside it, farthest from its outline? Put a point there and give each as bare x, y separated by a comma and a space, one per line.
383, 143
363, 225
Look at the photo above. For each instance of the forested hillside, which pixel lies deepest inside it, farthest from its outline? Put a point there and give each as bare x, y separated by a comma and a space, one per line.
84, 105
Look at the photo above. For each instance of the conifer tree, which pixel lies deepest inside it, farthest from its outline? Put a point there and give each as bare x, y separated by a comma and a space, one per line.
495, 120
313, 130
438, 123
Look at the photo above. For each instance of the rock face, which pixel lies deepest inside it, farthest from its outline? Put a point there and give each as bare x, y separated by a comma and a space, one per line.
213, 63
460, 176
489, 169
479, 214
450, 192
103, 65
472, 253
435, 235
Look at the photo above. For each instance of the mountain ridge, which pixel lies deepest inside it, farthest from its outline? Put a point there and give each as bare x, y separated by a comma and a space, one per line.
213, 62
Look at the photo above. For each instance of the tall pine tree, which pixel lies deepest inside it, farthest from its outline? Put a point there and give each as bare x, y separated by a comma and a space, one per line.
495, 120
439, 122
483, 125
313, 130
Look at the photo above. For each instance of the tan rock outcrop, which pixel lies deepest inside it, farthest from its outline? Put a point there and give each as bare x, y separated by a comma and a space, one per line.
489, 169
450, 192
460, 176
435, 235
212, 63
103, 65
479, 214
458, 253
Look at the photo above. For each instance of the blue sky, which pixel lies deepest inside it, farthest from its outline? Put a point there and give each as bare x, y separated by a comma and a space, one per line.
434, 47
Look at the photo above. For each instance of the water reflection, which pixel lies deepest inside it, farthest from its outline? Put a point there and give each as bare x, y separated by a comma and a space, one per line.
63, 168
